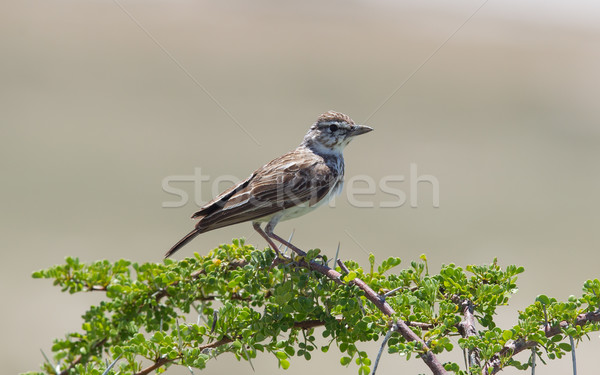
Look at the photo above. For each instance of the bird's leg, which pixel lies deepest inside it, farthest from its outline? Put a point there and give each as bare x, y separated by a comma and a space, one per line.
262, 233
269, 232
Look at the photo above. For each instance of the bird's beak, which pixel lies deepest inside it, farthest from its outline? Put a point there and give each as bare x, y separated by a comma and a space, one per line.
360, 129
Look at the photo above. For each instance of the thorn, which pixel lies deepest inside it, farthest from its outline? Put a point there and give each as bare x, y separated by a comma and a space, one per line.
46, 358
214, 323
289, 241
573, 355
547, 325
248, 357
178, 334
199, 309
360, 304
383, 344
337, 252
390, 293
111, 365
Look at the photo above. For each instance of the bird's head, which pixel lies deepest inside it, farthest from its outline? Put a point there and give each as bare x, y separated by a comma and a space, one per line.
332, 132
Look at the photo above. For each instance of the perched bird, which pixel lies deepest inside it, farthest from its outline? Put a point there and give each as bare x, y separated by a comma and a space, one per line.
287, 187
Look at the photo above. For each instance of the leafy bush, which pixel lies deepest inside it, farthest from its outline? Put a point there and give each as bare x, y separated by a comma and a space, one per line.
240, 300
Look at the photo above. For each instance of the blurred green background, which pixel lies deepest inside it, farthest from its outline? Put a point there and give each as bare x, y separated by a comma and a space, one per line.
97, 109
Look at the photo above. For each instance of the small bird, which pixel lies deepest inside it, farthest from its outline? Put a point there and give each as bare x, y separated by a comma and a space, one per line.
286, 187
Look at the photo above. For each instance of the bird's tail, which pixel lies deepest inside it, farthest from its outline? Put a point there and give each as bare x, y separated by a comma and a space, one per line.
182, 242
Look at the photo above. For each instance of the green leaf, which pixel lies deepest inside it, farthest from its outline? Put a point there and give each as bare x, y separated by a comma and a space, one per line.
158, 337
452, 367
350, 276
173, 309
290, 350
543, 299
237, 344
565, 346
285, 364
281, 355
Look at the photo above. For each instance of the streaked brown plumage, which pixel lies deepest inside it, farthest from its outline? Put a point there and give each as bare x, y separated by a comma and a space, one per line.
286, 187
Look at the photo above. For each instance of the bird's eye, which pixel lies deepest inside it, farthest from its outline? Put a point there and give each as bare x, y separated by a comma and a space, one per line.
333, 127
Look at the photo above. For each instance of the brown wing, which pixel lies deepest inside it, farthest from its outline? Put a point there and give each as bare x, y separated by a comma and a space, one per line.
295, 178
222, 198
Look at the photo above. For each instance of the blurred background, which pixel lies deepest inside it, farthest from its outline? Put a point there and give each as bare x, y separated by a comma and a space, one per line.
103, 100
